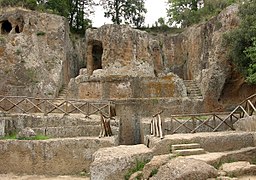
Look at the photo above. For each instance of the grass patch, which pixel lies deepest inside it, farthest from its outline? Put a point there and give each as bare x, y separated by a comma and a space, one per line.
153, 172
37, 137
2, 40
40, 33
13, 136
138, 167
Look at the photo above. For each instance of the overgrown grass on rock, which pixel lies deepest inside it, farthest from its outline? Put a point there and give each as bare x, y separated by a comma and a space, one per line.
138, 167
13, 136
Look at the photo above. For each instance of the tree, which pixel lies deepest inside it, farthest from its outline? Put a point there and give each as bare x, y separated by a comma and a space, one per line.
188, 12
183, 11
125, 11
76, 11
30, 4
242, 42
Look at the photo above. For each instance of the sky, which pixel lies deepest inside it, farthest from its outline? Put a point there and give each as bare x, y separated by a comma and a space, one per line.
155, 10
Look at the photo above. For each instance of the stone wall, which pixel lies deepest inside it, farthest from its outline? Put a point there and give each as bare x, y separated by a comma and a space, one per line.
50, 157
125, 87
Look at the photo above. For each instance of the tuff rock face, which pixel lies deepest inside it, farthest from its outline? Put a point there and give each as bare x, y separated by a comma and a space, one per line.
120, 52
35, 53
198, 54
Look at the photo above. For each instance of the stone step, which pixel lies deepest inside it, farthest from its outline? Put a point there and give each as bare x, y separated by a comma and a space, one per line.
72, 131
60, 121
63, 93
195, 95
185, 146
188, 152
193, 90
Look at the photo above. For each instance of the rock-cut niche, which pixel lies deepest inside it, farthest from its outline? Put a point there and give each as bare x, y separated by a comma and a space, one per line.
97, 52
6, 27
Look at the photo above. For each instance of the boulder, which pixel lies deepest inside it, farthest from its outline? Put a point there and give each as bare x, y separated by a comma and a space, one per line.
113, 163
26, 133
185, 169
246, 124
154, 164
239, 168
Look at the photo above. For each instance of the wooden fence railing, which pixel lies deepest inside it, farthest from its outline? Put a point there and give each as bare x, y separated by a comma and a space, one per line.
245, 108
23, 104
206, 122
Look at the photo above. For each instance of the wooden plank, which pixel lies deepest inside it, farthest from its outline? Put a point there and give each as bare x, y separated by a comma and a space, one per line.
34, 106
55, 107
202, 123
15, 105
160, 126
252, 106
181, 124
76, 108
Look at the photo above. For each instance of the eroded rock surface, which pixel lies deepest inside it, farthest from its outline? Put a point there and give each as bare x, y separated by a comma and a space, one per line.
36, 53
113, 163
246, 124
185, 169
238, 168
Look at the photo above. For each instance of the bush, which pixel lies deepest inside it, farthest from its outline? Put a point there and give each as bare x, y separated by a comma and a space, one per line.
241, 42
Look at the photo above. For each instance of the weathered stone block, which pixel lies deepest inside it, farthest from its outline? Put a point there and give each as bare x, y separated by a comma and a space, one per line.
113, 163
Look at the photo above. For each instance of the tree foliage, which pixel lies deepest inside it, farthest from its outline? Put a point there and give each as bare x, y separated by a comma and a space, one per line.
30, 4
242, 42
188, 12
77, 12
125, 11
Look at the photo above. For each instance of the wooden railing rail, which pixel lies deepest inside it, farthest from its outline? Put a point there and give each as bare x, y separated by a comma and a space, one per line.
245, 108
196, 122
27, 105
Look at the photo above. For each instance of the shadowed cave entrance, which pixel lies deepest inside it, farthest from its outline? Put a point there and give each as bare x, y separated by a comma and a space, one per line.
6, 27
97, 52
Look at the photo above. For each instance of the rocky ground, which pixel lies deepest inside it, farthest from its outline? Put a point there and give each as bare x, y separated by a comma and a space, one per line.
41, 177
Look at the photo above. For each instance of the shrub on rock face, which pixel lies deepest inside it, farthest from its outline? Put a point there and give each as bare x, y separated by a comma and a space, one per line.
242, 43
185, 169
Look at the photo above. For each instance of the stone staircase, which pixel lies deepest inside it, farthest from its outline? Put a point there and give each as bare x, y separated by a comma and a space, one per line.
193, 90
63, 93
187, 149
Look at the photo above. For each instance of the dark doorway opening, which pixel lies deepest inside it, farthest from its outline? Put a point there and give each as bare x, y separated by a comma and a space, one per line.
17, 29
97, 52
6, 27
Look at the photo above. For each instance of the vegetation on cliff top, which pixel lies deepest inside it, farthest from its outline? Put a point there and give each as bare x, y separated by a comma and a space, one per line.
188, 12
242, 41
79, 11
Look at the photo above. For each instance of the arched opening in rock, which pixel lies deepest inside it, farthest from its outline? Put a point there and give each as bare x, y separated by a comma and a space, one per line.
97, 52
17, 29
6, 27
